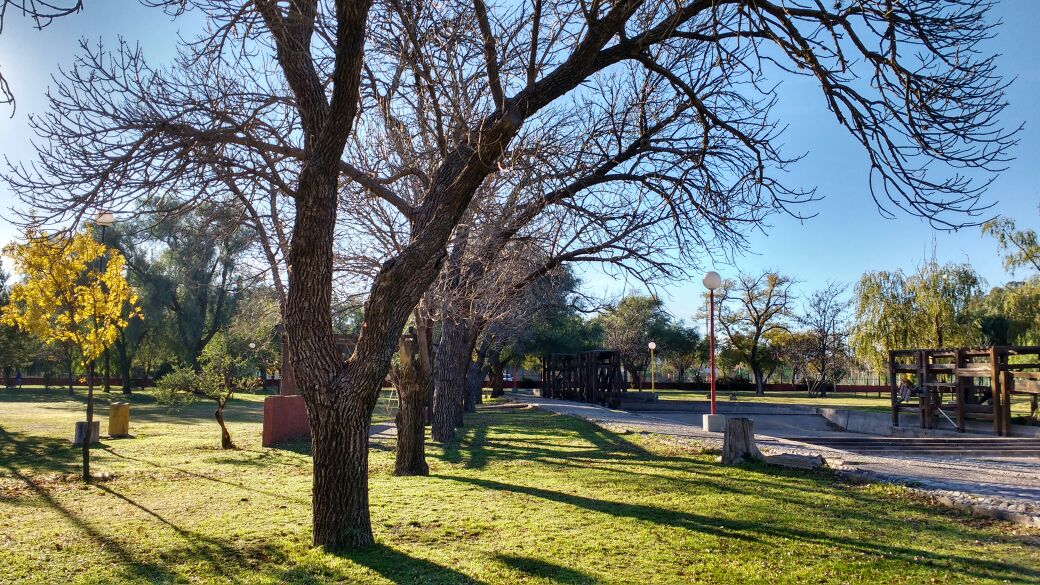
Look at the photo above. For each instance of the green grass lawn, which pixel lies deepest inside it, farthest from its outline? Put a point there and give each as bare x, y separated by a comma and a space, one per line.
524, 497
859, 401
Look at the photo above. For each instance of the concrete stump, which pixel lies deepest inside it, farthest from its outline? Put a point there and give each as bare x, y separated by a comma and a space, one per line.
715, 423
81, 432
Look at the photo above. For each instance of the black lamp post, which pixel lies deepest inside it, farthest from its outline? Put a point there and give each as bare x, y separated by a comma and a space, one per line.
104, 220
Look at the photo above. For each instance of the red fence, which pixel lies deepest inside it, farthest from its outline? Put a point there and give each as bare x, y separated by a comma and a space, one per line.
731, 387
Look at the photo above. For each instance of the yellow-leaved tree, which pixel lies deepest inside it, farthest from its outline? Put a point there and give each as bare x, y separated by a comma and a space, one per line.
72, 290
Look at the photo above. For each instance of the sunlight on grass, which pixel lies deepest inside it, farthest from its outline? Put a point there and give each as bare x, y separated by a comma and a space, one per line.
525, 496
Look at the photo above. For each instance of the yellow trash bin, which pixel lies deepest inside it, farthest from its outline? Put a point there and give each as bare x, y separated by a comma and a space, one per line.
119, 419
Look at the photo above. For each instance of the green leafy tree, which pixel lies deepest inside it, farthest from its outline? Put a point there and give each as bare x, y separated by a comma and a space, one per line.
1021, 248
73, 292
1010, 314
680, 348
629, 327
750, 308
224, 369
929, 308
18, 348
187, 268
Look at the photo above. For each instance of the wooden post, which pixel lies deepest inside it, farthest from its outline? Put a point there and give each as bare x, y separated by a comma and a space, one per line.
925, 396
959, 388
994, 384
1007, 383
893, 382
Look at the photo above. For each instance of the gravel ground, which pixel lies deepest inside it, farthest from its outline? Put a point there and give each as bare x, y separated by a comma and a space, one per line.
1006, 488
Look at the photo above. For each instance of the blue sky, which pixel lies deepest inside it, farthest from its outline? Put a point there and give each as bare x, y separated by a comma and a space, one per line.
849, 236
846, 238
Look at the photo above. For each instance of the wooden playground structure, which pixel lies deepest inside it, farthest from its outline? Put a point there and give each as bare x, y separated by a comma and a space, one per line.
956, 385
591, 376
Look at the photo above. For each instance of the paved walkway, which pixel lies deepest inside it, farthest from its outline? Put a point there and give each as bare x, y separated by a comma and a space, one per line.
1008, 483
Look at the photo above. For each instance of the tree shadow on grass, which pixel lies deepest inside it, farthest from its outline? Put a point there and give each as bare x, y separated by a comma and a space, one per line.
39, 454
753, 531
203, 476
547, 438
219, 554
541, 569
391, 564
132, 566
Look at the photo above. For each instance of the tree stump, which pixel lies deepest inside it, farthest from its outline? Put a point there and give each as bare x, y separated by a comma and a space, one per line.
738, 442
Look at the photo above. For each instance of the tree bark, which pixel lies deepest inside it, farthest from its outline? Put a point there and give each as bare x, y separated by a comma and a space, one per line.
413, 387
339, 443
108, 372
225, 436
124, 366
452, 361
738, 442
760, 384
71, 379
497, 369
89, 436
475, 375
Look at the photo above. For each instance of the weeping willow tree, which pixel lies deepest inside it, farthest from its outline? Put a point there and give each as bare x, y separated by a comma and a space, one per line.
929, 308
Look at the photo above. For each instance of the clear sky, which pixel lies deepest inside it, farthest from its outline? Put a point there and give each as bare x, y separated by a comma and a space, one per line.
846, 238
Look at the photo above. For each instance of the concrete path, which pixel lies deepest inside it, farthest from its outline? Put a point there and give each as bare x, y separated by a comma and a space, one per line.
1008, 483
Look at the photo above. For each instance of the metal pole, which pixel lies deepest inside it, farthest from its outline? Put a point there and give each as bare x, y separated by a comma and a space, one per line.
652, 387
104, 264
711, 344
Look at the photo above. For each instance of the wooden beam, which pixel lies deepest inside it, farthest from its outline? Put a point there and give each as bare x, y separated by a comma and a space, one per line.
960, 387
892, 382
994, 384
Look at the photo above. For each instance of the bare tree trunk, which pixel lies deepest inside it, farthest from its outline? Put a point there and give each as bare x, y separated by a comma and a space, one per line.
452, 360
760, 383
497, 369
475, 374
413, 387
124, 366
108, 373
71, 379
88, 436
225, 436
339, 446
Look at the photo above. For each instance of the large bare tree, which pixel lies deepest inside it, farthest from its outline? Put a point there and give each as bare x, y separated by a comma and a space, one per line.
269, 95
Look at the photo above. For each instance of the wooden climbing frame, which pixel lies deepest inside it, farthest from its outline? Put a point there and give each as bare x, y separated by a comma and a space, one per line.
591, 376
972, 383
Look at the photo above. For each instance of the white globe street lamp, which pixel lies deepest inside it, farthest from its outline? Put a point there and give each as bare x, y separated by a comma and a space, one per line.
653, 388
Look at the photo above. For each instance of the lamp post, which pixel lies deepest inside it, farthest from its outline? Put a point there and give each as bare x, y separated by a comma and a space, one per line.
252, 352
653, 388
712, 281
104, 220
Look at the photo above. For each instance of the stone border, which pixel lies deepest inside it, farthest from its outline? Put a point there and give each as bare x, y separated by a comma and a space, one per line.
992, 507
